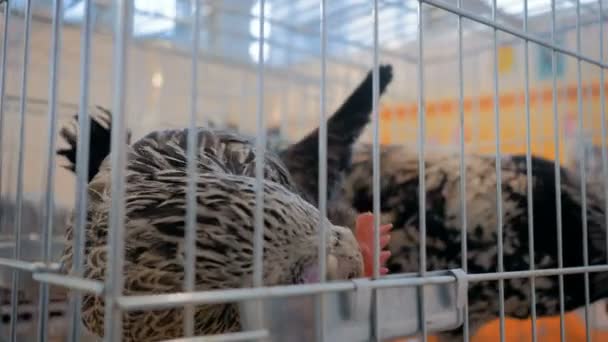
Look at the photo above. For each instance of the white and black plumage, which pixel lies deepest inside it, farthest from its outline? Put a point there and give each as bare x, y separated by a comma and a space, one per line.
399, 202
155, 210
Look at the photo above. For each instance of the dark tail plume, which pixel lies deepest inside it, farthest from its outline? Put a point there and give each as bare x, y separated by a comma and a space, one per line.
344, 127
100, 140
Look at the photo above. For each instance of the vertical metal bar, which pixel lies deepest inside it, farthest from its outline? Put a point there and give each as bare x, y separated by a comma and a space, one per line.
530, 184
376, 147
258, 239
603, 116
322, 170
47, 229
3, 70
190, 234
323, 147
376, 167
499, 218
258, 233
20, 169
582, 169
558, 192
82, 170
421, 171
463, 171
114, 278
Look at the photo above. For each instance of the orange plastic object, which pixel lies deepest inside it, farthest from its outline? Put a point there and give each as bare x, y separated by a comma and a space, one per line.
520, 331
364, 232
547, 330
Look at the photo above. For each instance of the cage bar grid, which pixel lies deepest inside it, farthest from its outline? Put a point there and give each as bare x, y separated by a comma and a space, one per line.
45, 272
514, 32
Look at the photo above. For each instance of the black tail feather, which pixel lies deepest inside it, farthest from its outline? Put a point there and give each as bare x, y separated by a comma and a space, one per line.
344, 127
100, 140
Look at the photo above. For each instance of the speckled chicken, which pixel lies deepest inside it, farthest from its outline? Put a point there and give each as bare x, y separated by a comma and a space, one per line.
399, 205
399, 202
155, 211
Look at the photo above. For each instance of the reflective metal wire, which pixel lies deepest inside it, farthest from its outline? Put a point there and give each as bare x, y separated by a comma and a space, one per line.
163, 301
529, 179
20, 169
82, 170
3, 70
260, 141
191, 234
558, 196
583, 171
421, 170
603, 116
499, 209
258, 235
463, 171
114, 275
376, 166
49, 209
322, 171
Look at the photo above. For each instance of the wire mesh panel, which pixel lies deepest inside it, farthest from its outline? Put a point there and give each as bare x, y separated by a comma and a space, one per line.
303, 170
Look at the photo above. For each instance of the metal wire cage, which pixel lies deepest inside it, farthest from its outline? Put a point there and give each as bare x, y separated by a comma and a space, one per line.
482, 89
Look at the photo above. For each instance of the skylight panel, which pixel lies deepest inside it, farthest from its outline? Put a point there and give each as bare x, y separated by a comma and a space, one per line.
535, 7
254, 30
154, 17
150, 17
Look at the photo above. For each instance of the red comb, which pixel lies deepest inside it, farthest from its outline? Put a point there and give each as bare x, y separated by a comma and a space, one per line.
364, 232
